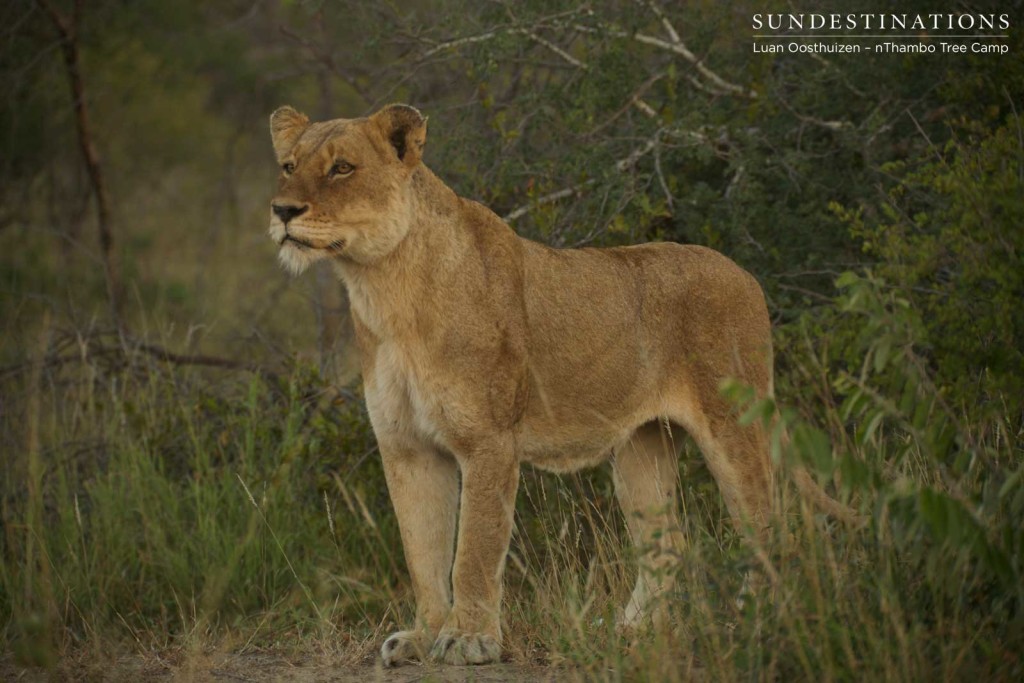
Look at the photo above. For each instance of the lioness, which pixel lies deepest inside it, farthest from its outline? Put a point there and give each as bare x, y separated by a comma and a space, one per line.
482, 350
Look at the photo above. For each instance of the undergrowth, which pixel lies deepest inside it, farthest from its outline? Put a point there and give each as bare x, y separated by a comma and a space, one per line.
148, 506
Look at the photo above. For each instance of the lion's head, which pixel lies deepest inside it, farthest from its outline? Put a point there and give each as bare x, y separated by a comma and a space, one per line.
341, 190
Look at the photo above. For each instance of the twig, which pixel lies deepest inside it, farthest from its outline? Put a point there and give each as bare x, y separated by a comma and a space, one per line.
557, 50
931, 145
634, 100
833, 125
459, 42
326, 59
669, 199
551, 198
737, 178
503, 30
806, 292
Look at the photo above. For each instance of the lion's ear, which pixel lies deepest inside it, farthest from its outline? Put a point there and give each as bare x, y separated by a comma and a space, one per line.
405, 129
286, 125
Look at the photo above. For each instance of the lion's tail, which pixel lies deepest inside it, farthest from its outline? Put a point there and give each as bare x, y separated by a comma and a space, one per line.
830, 506
810, 490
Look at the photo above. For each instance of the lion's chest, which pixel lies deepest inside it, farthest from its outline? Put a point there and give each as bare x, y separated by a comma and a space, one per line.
404, 396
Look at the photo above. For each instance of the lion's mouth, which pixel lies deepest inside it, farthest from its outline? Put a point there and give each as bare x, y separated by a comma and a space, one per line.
335, 247
301, 243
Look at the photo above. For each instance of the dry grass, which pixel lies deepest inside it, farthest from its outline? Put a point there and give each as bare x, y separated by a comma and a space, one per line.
157, 513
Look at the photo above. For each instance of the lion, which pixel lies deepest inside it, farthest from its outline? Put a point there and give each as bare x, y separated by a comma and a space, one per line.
482, 351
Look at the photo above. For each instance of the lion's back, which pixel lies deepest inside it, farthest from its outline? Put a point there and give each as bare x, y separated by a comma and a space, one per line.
645, 284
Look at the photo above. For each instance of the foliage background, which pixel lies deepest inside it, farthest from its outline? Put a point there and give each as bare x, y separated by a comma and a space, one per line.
202, 474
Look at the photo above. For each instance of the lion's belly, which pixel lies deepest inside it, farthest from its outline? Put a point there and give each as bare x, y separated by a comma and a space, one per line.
577, 420
558, 431
567, 457
568, 447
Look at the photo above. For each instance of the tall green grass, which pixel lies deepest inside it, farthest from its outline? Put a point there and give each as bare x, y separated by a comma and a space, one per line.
146, 505
164, 509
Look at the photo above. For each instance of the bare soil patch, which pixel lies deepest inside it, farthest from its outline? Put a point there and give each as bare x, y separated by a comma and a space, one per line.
259, 667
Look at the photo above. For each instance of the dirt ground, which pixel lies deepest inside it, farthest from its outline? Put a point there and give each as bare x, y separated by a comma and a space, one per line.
228, 668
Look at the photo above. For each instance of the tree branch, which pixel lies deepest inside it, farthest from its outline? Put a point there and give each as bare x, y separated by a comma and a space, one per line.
163, 354
677, 46
635, 100
551, 198
718, 85
97, 350
557, 50
833, 125
459, 42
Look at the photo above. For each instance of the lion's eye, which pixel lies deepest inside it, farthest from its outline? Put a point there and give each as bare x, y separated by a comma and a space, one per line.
340, 168
288, 168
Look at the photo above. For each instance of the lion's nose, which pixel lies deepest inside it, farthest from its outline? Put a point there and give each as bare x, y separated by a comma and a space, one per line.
286, 212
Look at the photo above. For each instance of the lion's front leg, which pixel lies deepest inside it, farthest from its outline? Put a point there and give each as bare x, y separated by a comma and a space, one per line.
472, 632
424, 489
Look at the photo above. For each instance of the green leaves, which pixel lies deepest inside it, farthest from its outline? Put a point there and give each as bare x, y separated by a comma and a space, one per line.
950, 247
943, 483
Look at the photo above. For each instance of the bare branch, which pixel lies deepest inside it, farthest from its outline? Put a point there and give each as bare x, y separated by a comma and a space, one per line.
120, 354
696, 83
647, 109
557, 50
681, 50
324, 56
676, 45
670, 200
834, 125
163, 354
634, 156
521, 211
669, 28
557, 19
459, 42
634, 101
698, 136
678, 48
621, 165
737, 178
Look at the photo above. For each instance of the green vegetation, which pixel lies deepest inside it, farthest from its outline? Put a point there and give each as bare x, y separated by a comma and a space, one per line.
194, 475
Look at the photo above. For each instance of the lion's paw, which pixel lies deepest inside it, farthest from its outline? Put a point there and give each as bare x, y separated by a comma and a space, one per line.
404, 646
459, 648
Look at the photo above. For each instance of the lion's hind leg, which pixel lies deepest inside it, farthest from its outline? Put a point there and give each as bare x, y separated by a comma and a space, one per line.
645, 471
739, 459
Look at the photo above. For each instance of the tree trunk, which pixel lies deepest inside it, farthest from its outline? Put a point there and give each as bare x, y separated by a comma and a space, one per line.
67, 29
339, 359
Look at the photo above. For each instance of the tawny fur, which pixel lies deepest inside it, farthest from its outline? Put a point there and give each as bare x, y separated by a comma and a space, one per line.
482, 350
